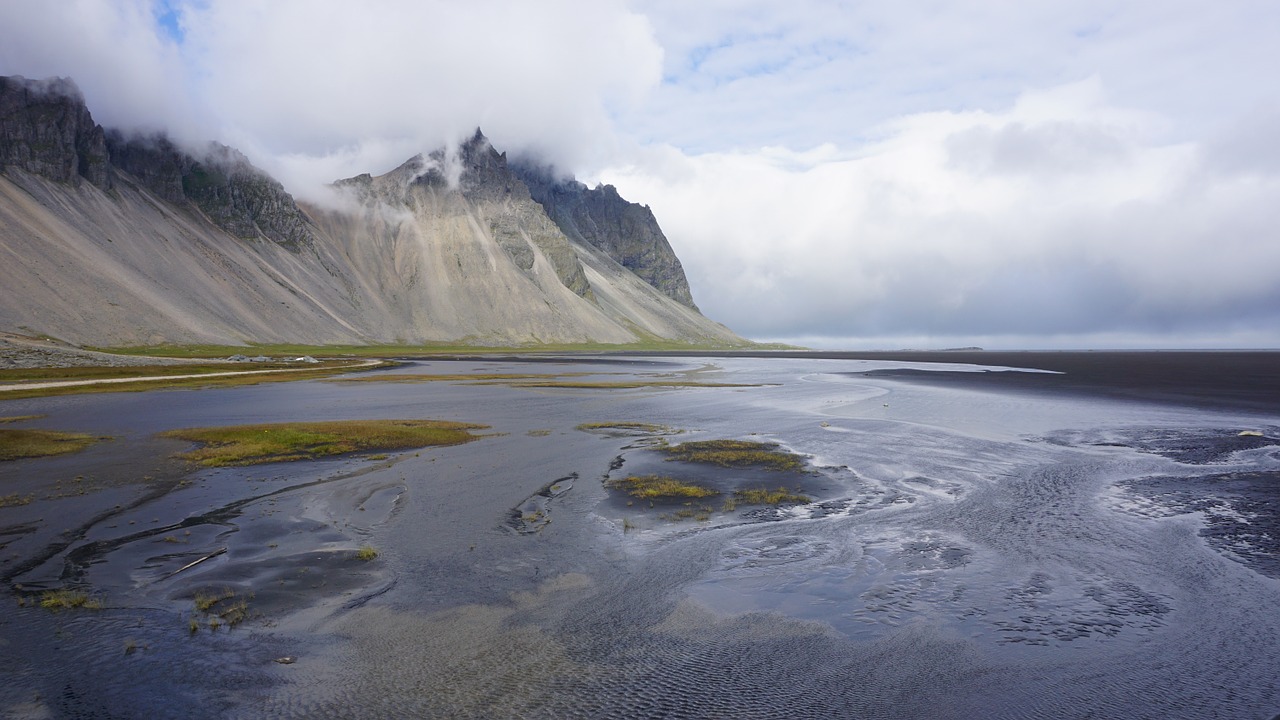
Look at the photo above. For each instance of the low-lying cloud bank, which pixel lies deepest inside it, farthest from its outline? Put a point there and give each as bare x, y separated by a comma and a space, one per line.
1059, 222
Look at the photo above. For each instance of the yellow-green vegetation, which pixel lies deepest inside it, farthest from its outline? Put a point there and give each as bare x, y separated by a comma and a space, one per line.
643, 427
205, 602
367, 553
701, 514
623, 384
735, 454
219, 608
426, 350
538, 380
761, 496
651, 487
15, 500
483, 378
278, 442
68, 600
168, 376
18, 418
20, 443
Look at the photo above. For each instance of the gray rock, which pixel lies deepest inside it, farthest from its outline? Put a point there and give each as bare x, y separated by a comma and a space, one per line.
46, 130
625, 231
221, 182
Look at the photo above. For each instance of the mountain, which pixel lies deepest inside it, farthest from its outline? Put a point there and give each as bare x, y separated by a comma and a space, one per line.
625, 231
112, 239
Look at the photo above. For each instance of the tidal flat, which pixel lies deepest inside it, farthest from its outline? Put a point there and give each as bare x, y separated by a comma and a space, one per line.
943, 536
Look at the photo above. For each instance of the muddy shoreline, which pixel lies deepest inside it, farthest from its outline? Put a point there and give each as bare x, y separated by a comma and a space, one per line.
991, 565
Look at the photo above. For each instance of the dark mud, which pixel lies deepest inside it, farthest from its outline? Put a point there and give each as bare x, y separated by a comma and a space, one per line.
1246, 381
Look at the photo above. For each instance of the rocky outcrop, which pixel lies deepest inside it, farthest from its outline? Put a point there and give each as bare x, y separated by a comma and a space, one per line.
221, 182
46, 130
625, 231
479, 175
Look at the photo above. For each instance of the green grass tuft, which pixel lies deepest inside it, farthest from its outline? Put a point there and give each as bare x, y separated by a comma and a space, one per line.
761, 496
15, 500
626, 426
735, 454
651, 487
367, 553
68, 600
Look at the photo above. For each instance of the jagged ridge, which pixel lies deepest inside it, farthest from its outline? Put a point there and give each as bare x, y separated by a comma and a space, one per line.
451, 246
626, 231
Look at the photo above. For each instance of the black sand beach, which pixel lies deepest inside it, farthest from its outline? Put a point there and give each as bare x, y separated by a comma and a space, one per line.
1229, 379
1096, 543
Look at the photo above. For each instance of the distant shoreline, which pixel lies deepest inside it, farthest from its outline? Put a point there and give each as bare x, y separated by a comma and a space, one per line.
1212, 379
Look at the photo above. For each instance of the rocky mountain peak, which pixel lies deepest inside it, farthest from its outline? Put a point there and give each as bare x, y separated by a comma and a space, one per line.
625, 231
217, 179
46, 130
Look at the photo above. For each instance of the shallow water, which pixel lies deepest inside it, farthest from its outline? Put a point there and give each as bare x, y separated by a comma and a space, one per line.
966, 554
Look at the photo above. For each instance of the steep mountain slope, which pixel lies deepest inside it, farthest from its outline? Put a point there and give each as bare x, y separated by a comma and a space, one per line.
115, 240
625, 231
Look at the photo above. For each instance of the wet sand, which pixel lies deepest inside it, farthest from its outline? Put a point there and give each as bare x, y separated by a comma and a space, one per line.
978, 545
1228, 379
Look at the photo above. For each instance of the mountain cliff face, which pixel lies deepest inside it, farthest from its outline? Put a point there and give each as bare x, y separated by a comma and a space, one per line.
46, 130
625, 231
116, 240
221, 182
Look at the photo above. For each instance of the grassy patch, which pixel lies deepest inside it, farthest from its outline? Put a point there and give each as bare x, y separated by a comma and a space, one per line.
701, 514
761, 496
15, 443
735, 454
640, 427
218, 608
205, 602
483, 378
255, 444
18, 418
68, 600
367, 553
624, 384
652, 487
15, 500
540, 380
426, 350
166, 376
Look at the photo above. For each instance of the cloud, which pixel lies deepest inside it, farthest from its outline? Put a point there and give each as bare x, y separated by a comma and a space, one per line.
1057, 217
313, 91
537, 77
824, 169
128, 74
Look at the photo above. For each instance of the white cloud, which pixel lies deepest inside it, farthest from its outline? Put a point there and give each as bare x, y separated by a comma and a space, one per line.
309, 89
937, 169
1058, 217
128, 73
369, 81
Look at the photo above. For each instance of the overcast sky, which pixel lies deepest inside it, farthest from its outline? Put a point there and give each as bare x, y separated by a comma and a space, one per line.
1098, 173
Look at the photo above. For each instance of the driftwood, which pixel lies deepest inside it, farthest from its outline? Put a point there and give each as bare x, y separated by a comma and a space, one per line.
194, 563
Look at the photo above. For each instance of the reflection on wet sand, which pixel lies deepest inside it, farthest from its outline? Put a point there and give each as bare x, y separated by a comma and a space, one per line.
938, 551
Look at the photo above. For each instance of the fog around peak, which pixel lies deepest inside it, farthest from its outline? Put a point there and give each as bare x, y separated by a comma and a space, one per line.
1093, 174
